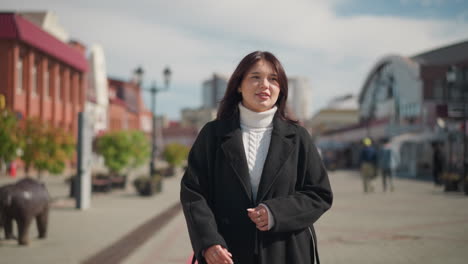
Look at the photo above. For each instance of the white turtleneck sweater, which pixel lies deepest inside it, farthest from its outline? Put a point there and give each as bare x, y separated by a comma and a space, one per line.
256, 136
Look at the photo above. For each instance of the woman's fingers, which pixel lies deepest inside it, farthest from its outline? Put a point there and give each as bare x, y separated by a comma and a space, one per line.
254, 213
259, 216
229, 253
251, 212
224, 256
217, 254
210, 254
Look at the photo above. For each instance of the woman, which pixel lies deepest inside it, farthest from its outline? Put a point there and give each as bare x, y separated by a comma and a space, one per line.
255, 183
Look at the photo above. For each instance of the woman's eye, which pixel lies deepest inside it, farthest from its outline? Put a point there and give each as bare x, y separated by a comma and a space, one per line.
255, 77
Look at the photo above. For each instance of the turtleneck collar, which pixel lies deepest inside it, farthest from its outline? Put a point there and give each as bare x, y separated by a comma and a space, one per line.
256, 119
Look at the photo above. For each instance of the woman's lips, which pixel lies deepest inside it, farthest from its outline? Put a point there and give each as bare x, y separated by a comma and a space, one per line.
263, 96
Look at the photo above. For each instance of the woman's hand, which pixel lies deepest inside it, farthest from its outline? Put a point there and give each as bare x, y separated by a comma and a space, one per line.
259, 216
218, 255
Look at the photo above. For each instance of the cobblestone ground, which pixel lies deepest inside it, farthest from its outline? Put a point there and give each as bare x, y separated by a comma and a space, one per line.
416, 223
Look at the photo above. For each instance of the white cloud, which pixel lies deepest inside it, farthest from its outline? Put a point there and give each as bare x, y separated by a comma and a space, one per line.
197, 38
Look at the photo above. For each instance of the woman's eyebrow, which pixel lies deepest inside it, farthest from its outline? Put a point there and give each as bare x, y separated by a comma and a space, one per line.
256, 72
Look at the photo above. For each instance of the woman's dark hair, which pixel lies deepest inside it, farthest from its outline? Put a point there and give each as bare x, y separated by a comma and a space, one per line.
228, 107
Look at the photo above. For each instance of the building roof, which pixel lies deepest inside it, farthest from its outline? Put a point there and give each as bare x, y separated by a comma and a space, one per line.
412, 67
344, 102
127, 92
48, 21
15, 27
445, 55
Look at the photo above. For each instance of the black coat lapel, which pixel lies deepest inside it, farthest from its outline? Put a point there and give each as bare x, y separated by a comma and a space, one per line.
281, 146
233, 148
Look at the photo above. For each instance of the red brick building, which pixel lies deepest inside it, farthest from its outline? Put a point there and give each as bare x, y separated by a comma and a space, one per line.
176, 133
41, 76
126, 107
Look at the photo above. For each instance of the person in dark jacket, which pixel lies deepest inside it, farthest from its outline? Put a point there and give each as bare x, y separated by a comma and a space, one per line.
368, 161
254, 184
437, 163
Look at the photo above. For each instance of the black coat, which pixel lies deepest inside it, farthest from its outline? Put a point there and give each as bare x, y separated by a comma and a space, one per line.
216, 192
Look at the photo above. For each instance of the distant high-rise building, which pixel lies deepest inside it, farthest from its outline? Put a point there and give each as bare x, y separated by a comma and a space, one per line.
213, 91
299, 97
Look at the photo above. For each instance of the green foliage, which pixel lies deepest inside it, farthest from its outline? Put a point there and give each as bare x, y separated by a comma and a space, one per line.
123, 149
33, 133
10, 138
175, 153
58, 147
46, 148
140, 148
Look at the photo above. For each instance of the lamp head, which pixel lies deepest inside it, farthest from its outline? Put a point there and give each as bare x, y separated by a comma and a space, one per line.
138, 75
167, 76
451, 75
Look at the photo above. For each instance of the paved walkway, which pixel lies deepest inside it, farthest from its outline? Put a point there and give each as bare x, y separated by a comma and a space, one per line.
417, 223
75, 235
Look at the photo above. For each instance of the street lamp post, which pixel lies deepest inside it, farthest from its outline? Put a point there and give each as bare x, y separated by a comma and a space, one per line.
154, 90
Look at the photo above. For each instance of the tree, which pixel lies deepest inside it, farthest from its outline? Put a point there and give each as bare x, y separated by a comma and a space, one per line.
175, 154
33, 131
11, 140
46, 148
123, 149
58, 147
140, 148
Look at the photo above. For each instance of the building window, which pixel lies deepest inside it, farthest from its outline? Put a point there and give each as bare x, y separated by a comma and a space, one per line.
80, 93
390, 87
58, 88
455, 92
46, 84
438, 90
19, 76
111, 94
34, 80
465, 75
70, 87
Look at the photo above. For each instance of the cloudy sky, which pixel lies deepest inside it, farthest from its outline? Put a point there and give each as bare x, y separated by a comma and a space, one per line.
333, 43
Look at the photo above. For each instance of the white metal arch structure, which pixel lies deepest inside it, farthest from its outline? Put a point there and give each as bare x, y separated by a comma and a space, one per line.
392, 89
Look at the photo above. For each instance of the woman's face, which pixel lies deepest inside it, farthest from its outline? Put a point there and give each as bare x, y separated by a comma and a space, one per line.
260, 88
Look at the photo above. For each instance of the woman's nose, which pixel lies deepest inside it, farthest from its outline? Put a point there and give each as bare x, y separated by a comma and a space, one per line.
264, 83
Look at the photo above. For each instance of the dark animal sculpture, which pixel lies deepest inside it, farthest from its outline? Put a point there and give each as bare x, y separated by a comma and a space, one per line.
22, 202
